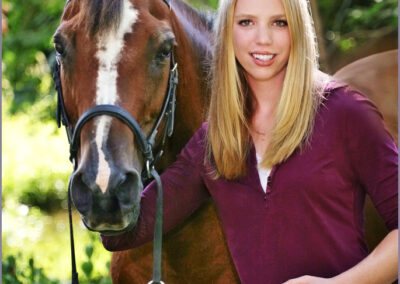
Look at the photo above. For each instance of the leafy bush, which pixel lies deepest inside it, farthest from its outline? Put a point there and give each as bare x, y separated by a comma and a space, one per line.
35, 162
27, 50
27, 234
13, 274
29, 273
350, 23
87, 267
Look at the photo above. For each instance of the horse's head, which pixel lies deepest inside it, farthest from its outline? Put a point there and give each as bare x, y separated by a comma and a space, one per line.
115, 52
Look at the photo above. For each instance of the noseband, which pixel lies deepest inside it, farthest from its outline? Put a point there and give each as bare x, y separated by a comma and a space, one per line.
145, 145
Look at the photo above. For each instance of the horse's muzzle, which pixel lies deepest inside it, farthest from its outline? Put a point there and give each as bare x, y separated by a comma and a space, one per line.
113, 210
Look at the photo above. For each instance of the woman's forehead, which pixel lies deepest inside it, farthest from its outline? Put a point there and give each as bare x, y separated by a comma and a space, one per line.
259, 8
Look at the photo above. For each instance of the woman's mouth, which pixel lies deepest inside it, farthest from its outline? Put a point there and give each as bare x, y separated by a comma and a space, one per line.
263, 59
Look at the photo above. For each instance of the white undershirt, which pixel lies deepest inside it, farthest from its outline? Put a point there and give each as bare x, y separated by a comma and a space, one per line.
263, 173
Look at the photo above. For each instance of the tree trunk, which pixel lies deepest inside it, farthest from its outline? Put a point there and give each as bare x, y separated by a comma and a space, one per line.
323, 60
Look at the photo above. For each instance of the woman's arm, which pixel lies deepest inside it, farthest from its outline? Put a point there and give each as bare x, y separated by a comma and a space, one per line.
380, 267
373, 155
183, 193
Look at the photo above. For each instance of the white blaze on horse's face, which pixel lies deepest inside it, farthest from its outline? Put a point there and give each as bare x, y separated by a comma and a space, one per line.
109, 46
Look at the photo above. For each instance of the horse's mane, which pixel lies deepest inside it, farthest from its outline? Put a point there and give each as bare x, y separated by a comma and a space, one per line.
198, 26
200, 19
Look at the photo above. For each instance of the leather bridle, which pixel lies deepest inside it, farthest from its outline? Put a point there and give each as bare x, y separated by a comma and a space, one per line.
145, 145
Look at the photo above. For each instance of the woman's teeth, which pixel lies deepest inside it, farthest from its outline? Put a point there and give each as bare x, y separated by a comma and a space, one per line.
263, 57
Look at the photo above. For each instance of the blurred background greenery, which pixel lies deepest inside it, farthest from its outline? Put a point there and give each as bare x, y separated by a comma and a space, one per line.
35, 153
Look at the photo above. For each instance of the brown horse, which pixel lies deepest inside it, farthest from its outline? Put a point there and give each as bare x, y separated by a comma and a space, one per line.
376, 77
118, 52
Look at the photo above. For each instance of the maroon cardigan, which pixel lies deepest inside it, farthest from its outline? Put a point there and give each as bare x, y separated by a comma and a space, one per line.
310, 220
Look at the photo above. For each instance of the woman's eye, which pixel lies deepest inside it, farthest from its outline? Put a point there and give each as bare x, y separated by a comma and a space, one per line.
280, 23
245, 23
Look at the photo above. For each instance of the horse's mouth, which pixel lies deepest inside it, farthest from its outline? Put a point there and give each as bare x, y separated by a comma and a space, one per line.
116, 233
112, 229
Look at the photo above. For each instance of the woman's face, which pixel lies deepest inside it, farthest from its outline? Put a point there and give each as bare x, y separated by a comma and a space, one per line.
261, 38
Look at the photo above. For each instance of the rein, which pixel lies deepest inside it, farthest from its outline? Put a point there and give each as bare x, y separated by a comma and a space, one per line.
145, 145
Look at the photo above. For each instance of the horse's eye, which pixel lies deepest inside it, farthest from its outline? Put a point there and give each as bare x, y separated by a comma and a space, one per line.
59, 49
165, 51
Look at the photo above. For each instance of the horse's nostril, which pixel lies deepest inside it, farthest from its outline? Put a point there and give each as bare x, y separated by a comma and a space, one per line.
106, 203
99, 208
128, 192
81, 194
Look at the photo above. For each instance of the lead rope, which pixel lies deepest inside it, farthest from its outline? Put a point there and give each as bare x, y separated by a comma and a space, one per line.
75, 279
157, 243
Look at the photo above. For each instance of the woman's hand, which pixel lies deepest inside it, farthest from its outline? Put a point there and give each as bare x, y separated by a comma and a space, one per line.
380, 266
309, 280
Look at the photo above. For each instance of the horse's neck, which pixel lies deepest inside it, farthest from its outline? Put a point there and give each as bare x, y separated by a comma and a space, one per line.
193, 54
197, 27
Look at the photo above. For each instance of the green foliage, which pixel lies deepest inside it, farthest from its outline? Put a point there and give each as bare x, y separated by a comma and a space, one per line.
35, 164
9, 270
384, 14
30, 234
204, 4
349, 23
29, 273
87, 267
23, 274
27, 50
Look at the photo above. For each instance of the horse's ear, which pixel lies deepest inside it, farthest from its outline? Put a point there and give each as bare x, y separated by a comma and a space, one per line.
71, 8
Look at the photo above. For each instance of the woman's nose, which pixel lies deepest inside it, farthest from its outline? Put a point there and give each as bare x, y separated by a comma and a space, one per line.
264, 35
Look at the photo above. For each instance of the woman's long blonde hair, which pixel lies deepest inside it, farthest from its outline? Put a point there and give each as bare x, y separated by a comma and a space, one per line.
228, 136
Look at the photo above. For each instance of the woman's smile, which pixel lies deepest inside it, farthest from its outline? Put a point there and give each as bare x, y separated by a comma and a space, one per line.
263, 58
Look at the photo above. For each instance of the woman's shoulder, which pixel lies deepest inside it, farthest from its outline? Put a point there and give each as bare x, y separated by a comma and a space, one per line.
199, 137
352, 108
342, 98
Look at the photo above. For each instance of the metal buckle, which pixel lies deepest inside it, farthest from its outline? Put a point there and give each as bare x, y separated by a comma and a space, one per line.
148, 168
175, 66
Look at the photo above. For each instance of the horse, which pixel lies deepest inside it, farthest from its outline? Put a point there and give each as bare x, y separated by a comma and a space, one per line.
118, 52
376, 77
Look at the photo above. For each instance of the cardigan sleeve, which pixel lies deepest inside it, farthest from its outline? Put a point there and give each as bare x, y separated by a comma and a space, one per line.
183, 193
373, 155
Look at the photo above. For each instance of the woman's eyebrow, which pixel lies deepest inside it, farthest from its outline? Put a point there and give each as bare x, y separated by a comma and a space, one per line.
244, 16
279, 16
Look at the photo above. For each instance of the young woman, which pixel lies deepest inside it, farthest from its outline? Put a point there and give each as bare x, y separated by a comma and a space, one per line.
287, 155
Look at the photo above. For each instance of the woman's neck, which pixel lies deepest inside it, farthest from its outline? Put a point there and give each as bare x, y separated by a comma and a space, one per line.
265, 99
266, 93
